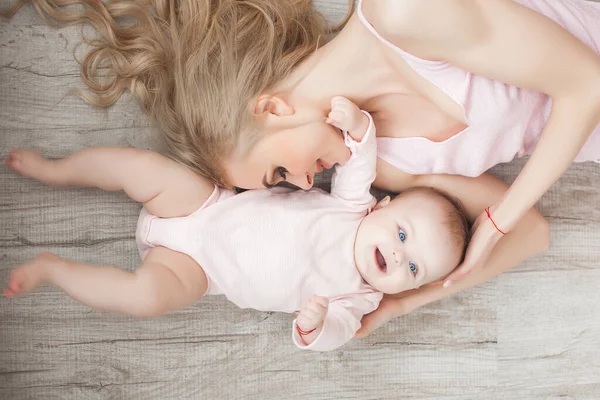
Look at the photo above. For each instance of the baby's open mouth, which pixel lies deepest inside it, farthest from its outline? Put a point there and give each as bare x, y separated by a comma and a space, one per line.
380, 260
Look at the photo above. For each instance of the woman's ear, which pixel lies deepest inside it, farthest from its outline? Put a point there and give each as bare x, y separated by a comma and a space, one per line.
382, 203
272, 105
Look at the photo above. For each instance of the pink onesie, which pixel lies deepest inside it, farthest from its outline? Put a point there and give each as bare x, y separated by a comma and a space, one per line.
504, 121
272, 249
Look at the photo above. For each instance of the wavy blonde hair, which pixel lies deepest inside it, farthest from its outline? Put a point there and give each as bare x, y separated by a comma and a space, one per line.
194, 65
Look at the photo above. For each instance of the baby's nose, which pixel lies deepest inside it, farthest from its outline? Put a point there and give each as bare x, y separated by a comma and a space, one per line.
398, 256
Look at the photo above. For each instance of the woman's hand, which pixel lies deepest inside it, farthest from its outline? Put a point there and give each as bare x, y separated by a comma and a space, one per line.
484, 237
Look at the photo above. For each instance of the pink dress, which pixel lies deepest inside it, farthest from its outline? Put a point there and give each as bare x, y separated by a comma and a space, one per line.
504, 121
272, 249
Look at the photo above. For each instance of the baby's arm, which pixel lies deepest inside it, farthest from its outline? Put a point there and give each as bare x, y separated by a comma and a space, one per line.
353, 180
166, 188
324, 325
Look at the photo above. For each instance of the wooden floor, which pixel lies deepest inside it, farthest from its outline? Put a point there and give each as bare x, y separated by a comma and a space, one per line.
533, 333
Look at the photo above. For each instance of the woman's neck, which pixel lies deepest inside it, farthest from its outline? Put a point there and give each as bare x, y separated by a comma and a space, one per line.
335, 69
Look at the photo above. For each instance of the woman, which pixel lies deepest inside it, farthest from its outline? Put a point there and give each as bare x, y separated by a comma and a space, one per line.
236, 85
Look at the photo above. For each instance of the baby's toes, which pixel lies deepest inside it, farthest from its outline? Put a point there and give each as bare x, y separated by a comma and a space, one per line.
27, 277
9, 292
15, 283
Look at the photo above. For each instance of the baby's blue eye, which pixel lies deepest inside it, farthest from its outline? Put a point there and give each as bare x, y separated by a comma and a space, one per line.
402, 235
413, 267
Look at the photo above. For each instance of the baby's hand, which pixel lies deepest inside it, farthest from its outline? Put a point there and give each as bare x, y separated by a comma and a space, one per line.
346, 115
313, 313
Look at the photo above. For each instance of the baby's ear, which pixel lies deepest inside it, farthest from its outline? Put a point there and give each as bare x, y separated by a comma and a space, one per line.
382, 203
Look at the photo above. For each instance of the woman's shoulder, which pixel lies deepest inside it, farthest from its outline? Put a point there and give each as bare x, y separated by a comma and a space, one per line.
405, 15
426, 28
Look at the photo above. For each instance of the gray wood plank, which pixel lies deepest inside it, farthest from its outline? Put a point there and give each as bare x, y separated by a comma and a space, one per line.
549, 333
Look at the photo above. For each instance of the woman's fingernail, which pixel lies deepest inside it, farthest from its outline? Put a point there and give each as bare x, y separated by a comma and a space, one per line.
447, 283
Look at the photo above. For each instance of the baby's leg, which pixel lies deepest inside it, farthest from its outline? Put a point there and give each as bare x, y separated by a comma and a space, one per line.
167, 280
166, 188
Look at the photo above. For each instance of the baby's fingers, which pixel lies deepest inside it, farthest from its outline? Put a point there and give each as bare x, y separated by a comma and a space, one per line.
310, 315
336, 118
339, 101
320, 309
321, 301
309, 320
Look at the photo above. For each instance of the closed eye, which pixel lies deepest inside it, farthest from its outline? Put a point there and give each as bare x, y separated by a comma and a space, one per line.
278, 175
281, 171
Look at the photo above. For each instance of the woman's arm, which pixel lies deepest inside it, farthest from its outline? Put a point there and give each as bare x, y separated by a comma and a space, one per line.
505, 41
529, 237
502, 40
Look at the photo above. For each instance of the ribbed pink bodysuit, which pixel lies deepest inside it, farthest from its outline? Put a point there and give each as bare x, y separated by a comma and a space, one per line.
272, 249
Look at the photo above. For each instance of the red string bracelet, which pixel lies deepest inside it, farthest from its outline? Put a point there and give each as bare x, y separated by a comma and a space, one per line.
489, 215
304, 333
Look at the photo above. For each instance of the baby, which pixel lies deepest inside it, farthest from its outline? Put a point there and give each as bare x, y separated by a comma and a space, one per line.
327, 257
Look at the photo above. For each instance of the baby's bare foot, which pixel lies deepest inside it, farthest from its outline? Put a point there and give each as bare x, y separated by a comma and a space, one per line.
28, 276
28, 163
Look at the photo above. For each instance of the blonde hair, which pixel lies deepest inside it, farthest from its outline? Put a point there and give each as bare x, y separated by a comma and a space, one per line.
194, 65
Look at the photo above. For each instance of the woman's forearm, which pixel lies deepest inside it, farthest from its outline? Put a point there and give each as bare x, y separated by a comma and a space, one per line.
531, 236
570, 124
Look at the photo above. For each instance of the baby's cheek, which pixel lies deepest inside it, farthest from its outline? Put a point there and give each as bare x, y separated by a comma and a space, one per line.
399, 283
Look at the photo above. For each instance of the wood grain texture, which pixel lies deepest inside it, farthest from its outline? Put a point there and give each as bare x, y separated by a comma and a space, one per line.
533, 333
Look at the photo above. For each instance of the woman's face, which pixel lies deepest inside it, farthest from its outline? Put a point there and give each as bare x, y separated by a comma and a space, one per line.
293, 155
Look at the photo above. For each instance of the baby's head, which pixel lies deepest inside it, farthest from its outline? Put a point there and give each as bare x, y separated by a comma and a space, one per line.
417, 238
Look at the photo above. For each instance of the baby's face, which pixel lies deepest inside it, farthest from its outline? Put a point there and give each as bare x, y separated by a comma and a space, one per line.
405, 244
